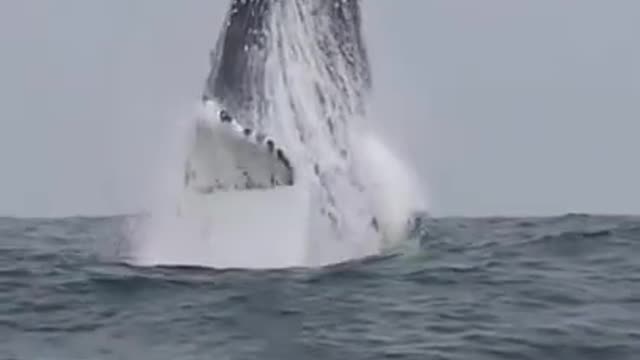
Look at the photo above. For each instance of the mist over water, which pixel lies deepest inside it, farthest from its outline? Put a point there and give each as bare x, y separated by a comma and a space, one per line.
315, 106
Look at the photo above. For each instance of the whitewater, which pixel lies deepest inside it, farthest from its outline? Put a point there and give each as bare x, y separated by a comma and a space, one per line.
307, 87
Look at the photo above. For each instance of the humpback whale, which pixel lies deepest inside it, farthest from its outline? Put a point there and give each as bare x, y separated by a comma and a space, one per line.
274, 167
238, 80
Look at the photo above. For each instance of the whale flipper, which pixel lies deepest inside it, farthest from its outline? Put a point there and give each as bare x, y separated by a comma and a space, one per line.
229, 156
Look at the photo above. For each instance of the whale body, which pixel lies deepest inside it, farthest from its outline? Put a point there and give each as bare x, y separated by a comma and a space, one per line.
274, 174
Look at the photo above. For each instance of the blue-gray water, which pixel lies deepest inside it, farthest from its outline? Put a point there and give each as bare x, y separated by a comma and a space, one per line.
547, 288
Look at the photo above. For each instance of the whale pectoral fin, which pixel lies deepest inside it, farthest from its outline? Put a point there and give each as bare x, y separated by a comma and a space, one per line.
228, 156
258, 161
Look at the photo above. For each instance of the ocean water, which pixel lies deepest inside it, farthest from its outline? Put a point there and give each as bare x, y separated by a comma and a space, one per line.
489, 288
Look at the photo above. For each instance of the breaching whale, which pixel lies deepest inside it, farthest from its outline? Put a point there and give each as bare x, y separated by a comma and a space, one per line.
274, 171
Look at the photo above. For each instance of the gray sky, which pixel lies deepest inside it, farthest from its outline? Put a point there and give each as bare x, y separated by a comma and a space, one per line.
527, 107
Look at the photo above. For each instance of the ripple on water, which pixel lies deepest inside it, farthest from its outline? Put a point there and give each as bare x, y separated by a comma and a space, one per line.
561, 288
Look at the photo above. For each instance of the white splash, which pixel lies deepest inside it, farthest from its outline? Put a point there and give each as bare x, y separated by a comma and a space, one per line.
294, 226
397, 195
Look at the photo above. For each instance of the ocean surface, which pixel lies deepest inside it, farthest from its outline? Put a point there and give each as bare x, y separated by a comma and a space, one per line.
495, 288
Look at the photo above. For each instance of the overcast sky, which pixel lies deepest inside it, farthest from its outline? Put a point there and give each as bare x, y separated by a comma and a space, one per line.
505, 107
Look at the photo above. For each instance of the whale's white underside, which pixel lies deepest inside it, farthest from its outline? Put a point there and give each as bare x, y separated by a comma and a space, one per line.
278, 221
